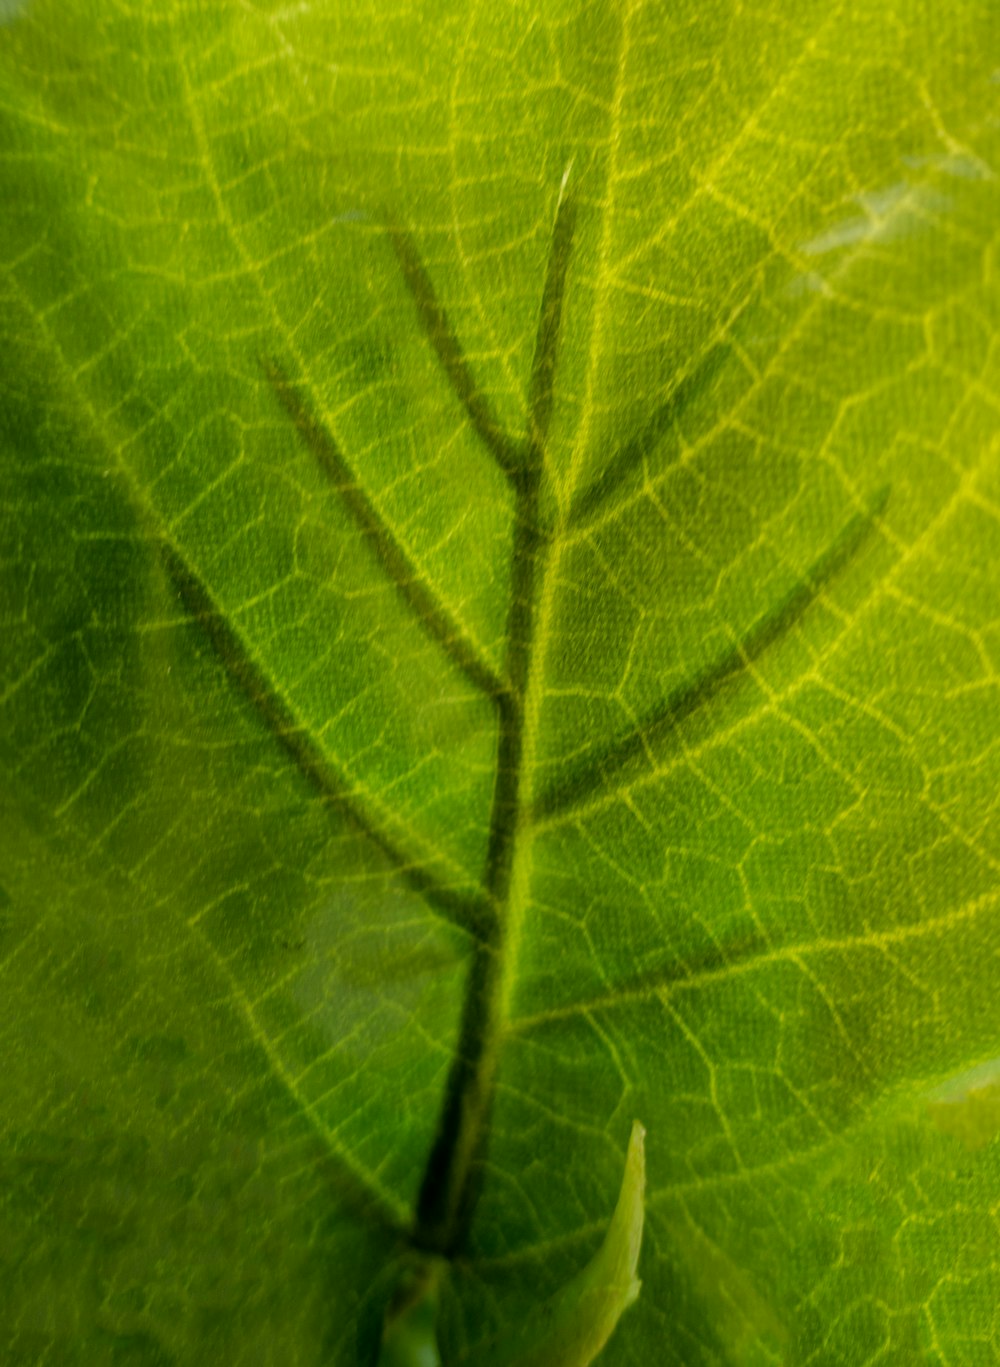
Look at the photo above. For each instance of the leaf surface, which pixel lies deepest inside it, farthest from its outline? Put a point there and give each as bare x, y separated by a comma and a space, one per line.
500, 591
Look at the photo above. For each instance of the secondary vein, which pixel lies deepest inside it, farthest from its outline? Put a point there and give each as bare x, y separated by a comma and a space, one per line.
506, 451
605, 773
412, 588
455, 904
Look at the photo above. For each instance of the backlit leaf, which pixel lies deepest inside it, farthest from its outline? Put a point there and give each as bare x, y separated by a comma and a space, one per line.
499, 601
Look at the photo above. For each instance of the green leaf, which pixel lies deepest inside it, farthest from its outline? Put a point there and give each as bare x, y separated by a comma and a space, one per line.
499, 599
569, 1329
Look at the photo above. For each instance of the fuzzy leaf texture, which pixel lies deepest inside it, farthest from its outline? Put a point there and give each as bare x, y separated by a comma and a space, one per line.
500, 619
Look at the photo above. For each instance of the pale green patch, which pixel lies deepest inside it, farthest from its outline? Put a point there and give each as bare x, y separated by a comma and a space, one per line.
968, 1106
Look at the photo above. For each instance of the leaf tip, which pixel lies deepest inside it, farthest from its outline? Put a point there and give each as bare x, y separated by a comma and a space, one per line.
572, 1328
625, 1231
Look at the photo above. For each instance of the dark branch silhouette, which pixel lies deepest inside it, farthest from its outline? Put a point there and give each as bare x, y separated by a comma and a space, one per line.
508, 453
450, 1181
590, 501
450, 1184
543, 365
599, 771
418, 596
468, 910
